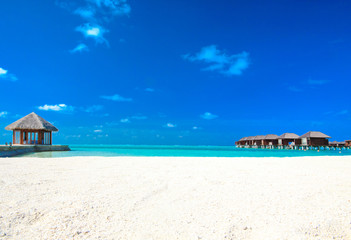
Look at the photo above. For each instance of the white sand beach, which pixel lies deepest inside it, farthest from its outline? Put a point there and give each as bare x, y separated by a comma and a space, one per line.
175, 198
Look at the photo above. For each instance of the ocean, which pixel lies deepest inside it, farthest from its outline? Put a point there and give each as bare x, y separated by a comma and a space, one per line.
180, 151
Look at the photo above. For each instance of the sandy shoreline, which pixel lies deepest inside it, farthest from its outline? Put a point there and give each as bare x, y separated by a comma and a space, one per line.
175, 198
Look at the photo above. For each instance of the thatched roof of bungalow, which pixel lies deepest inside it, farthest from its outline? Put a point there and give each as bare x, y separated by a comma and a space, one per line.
32, 122
249, 138
314, 134
243, 139
259, 137
271, 137
289, 136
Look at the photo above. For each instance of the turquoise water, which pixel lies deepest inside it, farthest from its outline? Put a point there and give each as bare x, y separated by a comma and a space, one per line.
182, 151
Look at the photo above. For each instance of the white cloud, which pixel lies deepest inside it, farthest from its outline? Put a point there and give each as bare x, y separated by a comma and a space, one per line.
117, 98
3, 71
3, 114
72, 136
208, 116
80, 48
136, 117
125, 120
114, 7
170, 125
96, 14
56, 108
5, 75
93, 31
219, 61
87, 13
93, 108
98, 131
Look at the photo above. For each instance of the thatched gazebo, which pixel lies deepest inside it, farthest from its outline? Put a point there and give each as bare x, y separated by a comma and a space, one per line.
32, 130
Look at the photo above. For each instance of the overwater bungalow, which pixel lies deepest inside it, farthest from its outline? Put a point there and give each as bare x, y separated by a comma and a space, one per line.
241, 141
32, 130
258, 140
270, 140
308, 141
249, 140
287, 139
314, 138
245, 141
336, 144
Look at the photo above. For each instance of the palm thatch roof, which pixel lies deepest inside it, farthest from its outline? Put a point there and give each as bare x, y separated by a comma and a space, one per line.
289, 136
32, 122
250, 138
314, 134
271, 137
259, 137
243, 139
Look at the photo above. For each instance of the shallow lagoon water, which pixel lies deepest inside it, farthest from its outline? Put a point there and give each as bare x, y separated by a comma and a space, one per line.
181, 151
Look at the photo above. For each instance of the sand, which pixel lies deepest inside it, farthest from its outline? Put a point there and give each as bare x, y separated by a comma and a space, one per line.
175, 198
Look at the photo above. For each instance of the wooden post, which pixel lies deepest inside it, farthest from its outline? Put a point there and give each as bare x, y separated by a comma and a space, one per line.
40, 137
50, 138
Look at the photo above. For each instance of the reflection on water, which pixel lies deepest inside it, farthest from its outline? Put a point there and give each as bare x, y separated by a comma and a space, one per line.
42, 154
181, 151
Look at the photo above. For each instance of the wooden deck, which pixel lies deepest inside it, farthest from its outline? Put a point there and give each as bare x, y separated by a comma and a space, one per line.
300, 147
10, 151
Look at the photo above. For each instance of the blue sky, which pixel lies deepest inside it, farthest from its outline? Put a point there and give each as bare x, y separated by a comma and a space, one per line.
176, 72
